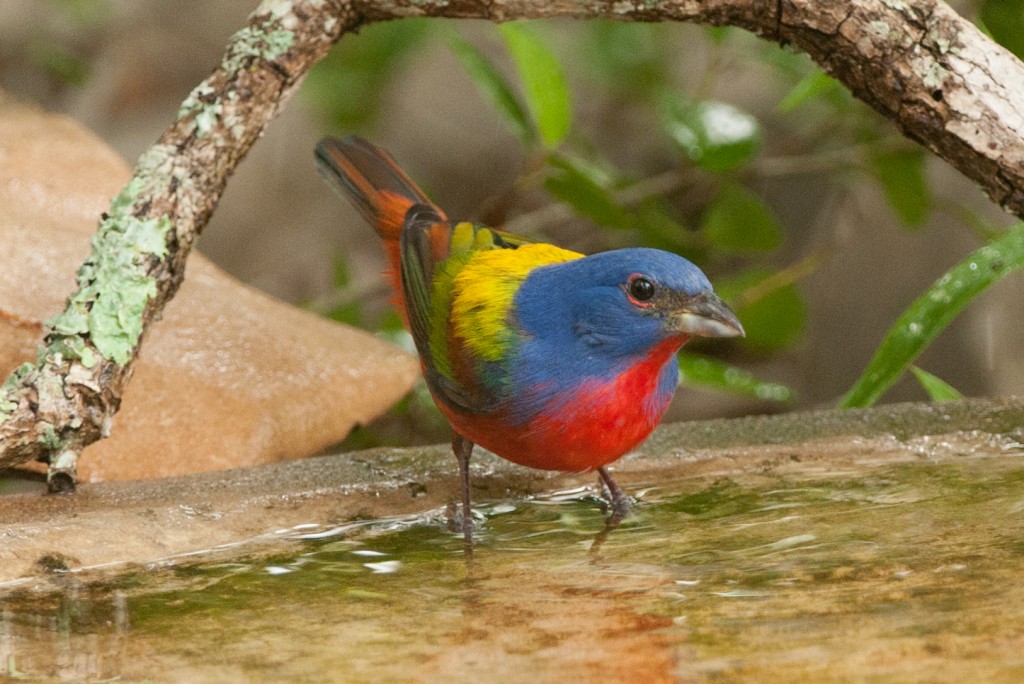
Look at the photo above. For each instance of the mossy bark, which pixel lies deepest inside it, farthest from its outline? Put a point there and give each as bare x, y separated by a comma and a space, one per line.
66, 400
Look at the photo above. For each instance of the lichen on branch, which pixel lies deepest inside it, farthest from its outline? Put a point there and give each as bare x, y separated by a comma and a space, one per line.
114, 284
67, 399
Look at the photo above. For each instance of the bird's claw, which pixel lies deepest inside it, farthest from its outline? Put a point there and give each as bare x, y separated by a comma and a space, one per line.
457, 523
618, 507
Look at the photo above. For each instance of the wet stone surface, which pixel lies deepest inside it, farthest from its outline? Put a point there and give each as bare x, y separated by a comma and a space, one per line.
836, 557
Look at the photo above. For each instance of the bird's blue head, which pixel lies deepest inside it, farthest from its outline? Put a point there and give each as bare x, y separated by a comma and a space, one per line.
600, 317
615, 307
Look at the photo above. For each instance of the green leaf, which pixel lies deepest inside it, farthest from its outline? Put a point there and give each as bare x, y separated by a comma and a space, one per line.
703, 371
1005, 21
738, 221
937, 388
544, 85
808, 88
571, 183
715, 135
901, 174
774, 321
929, 315
348, 86
629, 58
493, 86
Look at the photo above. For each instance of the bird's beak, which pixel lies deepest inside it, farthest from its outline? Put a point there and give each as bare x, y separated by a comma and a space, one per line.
706, 315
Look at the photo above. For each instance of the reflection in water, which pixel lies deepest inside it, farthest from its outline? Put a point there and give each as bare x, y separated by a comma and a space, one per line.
898, 572
68, 633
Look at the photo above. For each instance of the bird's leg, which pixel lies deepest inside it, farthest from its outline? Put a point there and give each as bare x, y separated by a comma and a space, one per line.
619, 501
463, 449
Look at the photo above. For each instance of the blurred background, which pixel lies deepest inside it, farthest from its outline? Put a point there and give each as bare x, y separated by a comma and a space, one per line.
809, 212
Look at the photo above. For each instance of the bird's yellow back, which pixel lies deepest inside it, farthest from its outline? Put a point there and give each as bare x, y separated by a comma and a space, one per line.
485, 288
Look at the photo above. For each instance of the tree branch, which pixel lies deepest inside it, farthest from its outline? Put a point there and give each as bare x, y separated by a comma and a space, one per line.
931, 72
56, 407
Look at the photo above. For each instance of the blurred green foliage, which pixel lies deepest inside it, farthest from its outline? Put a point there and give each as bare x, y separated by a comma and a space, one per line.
543, 82
738, 221
701, 191
494, 88
716, 136
349, 85
59, 63
60, 49
710, 373
1004, 20
902, 177
587, 191
774, 319
86, 12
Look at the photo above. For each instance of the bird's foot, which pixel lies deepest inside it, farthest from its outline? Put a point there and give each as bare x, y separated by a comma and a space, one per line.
618, 502
620, 506
457, 522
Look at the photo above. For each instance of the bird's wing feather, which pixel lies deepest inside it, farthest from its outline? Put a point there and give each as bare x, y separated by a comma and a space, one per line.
459, 283
422, 248
428, 268
371, 180
368, 177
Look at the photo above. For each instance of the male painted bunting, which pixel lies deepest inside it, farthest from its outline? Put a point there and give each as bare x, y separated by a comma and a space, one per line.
546, 357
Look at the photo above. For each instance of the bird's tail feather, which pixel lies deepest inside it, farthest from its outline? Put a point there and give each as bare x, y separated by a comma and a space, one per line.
372, 181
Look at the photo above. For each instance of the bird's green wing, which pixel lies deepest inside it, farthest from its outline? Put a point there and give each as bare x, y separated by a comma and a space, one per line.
433, 252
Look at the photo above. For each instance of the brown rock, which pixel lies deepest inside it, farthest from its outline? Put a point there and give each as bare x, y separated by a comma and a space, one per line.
229, 378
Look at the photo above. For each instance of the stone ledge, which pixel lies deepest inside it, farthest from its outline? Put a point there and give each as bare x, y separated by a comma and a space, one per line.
144, 522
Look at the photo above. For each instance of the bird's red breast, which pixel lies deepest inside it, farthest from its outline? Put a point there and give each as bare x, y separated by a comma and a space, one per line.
586, 427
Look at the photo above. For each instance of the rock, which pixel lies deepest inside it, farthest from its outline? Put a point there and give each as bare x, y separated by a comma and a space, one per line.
230, 377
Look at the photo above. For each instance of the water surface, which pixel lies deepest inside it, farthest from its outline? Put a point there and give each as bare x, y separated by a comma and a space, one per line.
899, 572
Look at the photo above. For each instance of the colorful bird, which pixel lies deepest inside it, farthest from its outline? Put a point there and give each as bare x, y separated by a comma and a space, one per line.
545, 357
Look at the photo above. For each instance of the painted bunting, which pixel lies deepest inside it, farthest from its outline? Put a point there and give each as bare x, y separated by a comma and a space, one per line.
546, 357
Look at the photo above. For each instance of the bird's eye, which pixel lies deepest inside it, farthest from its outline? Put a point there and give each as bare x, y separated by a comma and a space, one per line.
641, 289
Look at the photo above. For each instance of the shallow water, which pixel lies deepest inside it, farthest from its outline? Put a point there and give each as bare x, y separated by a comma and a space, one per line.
906, 572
